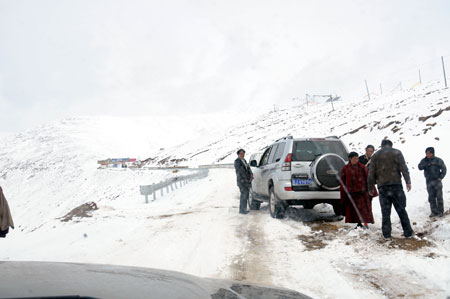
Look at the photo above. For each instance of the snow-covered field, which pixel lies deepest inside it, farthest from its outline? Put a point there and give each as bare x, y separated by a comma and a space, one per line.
47, 172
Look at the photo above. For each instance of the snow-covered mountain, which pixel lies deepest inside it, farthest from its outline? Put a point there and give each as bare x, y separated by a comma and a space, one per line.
412, 119
52, 169
57, 163
48, 171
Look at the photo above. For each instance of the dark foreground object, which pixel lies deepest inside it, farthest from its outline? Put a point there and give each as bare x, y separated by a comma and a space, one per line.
42, 279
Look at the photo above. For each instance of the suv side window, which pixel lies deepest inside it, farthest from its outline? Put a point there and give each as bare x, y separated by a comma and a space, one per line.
279, 152
265, 157
272, 153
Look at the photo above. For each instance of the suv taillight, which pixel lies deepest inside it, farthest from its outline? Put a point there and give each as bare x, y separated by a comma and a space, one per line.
286, 166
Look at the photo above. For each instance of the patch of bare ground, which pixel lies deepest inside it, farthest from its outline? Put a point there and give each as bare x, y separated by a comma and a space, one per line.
312, 242
394, 122
82, 211
395, 129
321, 232
418, 242
409, 244
324, 227
425, 118
168, 215
355, 130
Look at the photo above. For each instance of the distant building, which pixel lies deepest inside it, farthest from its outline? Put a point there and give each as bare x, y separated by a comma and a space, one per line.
119, 163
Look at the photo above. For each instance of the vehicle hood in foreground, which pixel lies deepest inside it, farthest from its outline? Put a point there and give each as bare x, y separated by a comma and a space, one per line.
49, 279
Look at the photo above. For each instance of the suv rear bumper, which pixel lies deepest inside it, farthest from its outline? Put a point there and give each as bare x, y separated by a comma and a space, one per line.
282, 194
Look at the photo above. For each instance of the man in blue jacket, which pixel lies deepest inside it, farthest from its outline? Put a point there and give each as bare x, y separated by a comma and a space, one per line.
244, 178
434, 171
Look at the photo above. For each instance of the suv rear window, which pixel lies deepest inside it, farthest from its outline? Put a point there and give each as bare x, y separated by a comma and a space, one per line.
307, 150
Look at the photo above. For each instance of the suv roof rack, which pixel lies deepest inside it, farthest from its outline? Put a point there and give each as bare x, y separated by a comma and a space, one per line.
283, 138
334, 137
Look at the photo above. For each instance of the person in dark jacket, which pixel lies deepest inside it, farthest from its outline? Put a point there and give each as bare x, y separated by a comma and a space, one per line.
386, 169
354, 193
6, 220
434, 171
244, 178
365, 159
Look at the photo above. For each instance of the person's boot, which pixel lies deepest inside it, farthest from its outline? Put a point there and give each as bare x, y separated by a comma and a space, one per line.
358, 225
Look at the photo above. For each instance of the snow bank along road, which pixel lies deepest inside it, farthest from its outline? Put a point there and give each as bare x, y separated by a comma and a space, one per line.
197, 230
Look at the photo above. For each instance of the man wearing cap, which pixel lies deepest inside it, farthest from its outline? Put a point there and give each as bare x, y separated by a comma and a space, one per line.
434, 171
386, 169
244, 177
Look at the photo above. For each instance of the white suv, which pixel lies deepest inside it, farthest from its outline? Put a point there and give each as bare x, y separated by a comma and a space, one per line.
300, 171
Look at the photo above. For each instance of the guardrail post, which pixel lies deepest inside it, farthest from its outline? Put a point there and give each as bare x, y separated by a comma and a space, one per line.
167, 188
171, 186
162, 192
146, 198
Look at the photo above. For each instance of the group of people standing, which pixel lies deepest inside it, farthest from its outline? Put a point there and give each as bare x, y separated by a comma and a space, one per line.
385, 169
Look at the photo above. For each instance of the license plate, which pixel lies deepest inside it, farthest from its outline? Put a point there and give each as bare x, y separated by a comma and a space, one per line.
301, 182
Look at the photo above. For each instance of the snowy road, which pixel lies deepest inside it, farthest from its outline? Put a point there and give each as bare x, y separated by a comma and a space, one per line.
197, 230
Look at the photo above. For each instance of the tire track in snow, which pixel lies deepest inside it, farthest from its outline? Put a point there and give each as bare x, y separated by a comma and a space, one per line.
252, 263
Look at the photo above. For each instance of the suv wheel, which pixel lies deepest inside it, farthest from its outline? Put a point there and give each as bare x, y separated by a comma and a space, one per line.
252, 202
276, 208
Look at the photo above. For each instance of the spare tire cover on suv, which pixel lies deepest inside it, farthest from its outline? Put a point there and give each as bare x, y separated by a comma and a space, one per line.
326, 170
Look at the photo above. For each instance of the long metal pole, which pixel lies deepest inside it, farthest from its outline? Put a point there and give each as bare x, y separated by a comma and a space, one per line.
381, 89
443, 68
420, 78
367, 88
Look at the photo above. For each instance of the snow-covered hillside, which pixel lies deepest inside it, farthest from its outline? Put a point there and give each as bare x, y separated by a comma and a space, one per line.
412, 119
48, 171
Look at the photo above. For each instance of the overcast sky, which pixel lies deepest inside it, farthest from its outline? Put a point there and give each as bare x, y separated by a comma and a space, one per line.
64, 58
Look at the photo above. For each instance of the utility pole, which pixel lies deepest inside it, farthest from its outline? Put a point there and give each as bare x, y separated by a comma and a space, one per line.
443, 68
367, 88
420, 78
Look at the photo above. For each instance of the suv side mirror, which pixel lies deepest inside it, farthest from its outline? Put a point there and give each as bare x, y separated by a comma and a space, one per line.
253, 163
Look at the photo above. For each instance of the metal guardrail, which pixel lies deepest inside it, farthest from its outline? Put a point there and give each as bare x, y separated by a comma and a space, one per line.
178, 181
228, 165
169, 168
